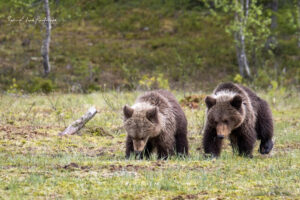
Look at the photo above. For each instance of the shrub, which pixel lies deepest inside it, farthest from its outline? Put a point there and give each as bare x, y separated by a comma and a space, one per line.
38, 84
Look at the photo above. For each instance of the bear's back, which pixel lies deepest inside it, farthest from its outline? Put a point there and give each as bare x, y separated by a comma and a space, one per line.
181, 121
241, 90
230, 87
156, 99
167, 104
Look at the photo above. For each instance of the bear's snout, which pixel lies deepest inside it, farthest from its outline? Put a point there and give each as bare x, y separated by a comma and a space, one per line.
222, 130
139, 145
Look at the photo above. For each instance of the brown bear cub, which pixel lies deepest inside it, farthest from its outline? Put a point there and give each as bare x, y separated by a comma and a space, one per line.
155, 122
236, 112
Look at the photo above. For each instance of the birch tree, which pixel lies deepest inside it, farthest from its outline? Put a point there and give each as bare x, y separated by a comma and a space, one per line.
298, 21
241, 17
249, 28
46, 42
272, 39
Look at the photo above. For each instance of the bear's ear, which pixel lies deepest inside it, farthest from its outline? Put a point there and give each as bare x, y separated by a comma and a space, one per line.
210, 101
236, 101
127, 111
152, 115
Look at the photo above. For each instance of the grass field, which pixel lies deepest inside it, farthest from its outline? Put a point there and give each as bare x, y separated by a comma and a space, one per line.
35, 163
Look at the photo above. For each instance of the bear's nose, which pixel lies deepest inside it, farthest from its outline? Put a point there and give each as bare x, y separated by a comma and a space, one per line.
220, 136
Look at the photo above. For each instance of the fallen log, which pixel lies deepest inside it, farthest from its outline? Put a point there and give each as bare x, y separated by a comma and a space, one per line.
79, 123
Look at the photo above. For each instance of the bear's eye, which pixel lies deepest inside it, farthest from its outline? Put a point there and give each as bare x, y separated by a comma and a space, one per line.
225, 121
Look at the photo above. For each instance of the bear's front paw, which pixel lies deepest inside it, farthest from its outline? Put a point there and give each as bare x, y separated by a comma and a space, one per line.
266, 147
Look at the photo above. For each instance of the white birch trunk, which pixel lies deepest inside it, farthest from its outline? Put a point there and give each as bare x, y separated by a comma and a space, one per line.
272, 39
238, 52
46, 41
243, 55
79, 123
299, 23
241, 19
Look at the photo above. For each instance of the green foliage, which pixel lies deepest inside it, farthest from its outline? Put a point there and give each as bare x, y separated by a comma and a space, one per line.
154, 82
276, 91
162, 81
131, 75
255, 25
17, 7
13, 88
262, 79
38, 84
92, 87
238, 79
288, 47
287, 20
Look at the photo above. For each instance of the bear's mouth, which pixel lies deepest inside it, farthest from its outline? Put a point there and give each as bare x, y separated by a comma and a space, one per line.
220, 136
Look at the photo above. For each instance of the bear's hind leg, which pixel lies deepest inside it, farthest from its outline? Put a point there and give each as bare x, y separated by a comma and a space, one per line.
264, 127
182, 146
211, 143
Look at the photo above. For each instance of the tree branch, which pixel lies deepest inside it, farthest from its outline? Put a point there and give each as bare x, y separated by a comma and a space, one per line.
79, 123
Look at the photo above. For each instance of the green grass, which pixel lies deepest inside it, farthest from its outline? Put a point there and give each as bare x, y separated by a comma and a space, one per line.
35, 163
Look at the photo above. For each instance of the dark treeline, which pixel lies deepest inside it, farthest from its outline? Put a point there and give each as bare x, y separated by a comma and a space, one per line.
119, 44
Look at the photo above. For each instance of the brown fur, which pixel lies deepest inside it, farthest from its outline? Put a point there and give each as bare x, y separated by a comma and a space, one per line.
236, 112
155, 121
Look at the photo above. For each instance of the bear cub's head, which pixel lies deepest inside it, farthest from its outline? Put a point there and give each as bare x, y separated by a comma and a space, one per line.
141, 123
224, 114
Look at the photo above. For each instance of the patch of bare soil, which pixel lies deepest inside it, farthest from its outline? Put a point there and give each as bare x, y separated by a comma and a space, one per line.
23, 131
192, 101
74, 166
102, 151
158, 165
293, 145
286, 147
113, 168
130, 167
153, 166
191, 196
99, 131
